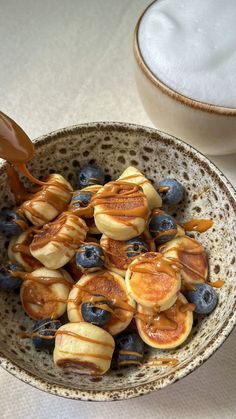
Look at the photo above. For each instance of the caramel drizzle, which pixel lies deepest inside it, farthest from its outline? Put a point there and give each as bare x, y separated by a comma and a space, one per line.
115, 194
45, 280
158, 263
48, 233
216, 284
84, 338
162, 362
205, 189
48, 193
199, 225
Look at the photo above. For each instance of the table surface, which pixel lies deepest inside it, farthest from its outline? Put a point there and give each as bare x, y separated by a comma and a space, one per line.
67, 62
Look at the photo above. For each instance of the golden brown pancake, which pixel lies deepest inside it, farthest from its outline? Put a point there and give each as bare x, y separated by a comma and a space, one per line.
153, 281
167, 329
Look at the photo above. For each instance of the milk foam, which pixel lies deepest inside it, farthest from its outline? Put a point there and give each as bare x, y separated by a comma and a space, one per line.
190, 45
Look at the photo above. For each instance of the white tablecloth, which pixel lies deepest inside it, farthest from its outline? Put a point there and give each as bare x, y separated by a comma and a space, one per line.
67, 62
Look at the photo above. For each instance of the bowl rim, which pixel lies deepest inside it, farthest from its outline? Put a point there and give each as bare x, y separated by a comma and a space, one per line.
157, 384
177, 96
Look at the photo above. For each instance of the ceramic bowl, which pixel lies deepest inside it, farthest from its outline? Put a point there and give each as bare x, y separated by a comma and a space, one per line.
208, 127
115, 146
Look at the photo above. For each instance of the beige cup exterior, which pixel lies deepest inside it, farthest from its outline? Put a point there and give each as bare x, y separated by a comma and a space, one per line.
211, 129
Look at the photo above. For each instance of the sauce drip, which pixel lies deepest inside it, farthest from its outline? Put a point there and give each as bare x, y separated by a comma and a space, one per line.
200, 225
216, 284
162, 362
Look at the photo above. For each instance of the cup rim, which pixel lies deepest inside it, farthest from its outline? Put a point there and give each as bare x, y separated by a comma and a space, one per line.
186, 368
184, 100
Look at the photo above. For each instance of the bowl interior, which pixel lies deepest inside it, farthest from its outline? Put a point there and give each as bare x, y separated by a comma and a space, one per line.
114, 147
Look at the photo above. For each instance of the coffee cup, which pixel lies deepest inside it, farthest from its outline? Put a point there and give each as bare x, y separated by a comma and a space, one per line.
210, 127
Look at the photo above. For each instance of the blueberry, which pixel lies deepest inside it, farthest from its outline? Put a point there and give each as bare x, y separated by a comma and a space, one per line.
174, 195
7, 281
90, 174
93, 314
162, 227
8, 222
129, 349
89, 256
135, 247
204, 297
45, 333
81, 199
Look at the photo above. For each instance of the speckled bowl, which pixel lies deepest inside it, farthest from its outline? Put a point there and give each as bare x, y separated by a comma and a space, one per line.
114, 146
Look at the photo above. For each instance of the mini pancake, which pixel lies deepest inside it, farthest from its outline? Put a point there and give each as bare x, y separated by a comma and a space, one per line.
133, 175
83, 348
19, 251
168, 329
192, 257
153, 281
120, 210
116, 258
58, 241
84, 211
44, 292
48, 201
109, 285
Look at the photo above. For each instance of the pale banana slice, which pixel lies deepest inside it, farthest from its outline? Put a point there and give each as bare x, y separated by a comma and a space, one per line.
168, 329
133, 175
57, 243
19, 251
83, 348
112, 287
120, 210
116, 259
191, 256
44, 293
153, 281
48, 201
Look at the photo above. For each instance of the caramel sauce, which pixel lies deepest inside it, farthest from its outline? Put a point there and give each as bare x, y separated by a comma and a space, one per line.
205, 189
15, 145
163, 189
23, 224
162, 362
200, 225
123, 352
45, 280
22, 248
157, 322
84, 338
157, 264
216, 284
129, 362
187, 307
16, 186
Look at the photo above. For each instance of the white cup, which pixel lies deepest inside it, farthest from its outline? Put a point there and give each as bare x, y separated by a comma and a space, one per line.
209, 128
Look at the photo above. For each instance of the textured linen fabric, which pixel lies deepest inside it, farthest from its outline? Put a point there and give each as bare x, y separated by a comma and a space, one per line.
68, 62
